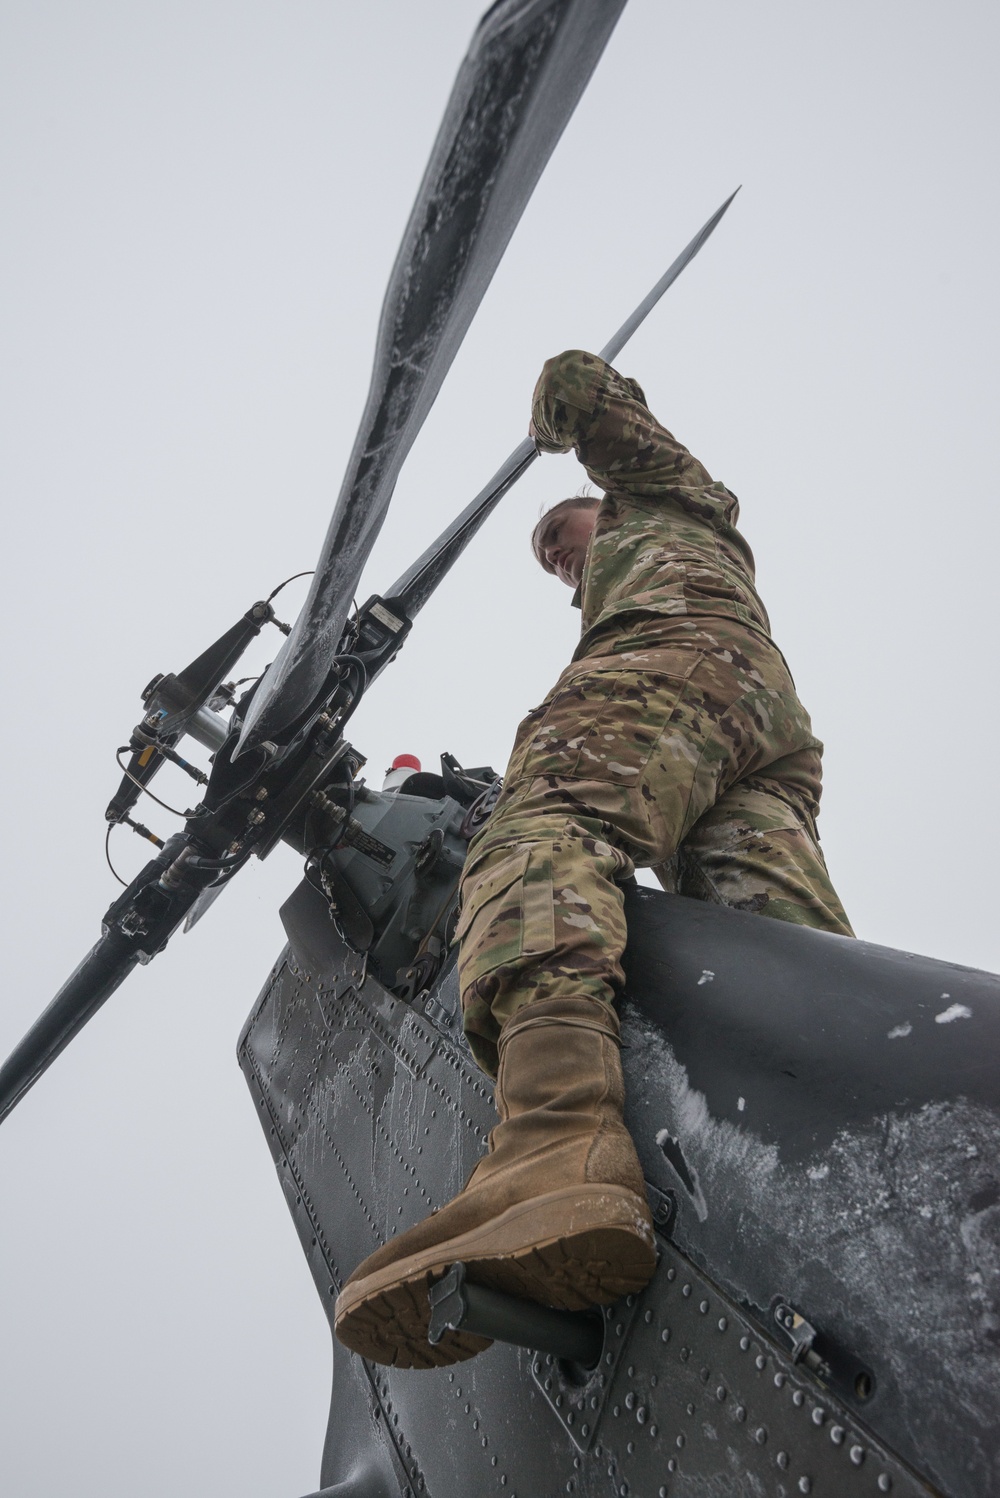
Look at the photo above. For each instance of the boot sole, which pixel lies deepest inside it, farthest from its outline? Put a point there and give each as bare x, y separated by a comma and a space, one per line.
570, 1249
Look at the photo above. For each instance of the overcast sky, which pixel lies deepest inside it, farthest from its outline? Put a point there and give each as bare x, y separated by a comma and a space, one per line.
202, 205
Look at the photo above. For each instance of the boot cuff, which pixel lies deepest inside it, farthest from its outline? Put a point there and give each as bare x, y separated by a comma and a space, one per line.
580, 1014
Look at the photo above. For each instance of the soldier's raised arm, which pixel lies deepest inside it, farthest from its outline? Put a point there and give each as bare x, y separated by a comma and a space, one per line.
581, 402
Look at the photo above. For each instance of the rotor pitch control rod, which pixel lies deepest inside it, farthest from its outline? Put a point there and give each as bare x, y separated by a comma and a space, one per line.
456, 1305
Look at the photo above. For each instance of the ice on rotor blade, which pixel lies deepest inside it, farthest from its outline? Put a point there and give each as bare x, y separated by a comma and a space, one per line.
519, 84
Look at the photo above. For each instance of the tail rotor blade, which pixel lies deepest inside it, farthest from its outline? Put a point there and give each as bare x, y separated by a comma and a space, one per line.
106, 966
614, 345
529, 62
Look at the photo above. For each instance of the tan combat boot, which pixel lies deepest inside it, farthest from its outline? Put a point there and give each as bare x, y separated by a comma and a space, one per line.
555, 1213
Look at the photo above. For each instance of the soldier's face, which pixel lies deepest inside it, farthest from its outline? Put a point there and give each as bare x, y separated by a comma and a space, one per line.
563, 543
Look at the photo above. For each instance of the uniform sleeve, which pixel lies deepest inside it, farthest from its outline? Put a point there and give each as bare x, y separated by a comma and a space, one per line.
580, 402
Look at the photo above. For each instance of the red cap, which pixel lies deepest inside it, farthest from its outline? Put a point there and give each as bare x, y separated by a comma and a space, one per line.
405, 762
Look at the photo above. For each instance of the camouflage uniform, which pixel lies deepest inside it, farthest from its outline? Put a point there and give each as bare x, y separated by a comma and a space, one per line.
674, 739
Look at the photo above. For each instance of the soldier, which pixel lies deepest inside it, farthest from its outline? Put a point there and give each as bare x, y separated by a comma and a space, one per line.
674, 739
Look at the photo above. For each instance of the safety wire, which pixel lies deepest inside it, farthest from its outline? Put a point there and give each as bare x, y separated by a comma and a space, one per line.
294, 578
139, 830
129, 776
107, 854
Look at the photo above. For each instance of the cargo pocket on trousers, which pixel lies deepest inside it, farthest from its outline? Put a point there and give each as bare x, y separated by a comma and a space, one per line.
507, 914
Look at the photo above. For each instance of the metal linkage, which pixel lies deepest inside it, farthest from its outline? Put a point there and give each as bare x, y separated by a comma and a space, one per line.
457, 1305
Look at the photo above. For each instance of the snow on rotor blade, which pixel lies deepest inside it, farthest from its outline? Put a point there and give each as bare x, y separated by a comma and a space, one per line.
529, 62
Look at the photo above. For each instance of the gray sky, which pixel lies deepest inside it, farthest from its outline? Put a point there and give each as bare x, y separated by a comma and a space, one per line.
203, 202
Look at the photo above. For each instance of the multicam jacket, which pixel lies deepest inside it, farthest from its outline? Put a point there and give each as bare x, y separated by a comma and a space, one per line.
665, 542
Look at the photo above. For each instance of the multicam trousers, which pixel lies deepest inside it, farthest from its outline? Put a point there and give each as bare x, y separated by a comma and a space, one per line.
693, 756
